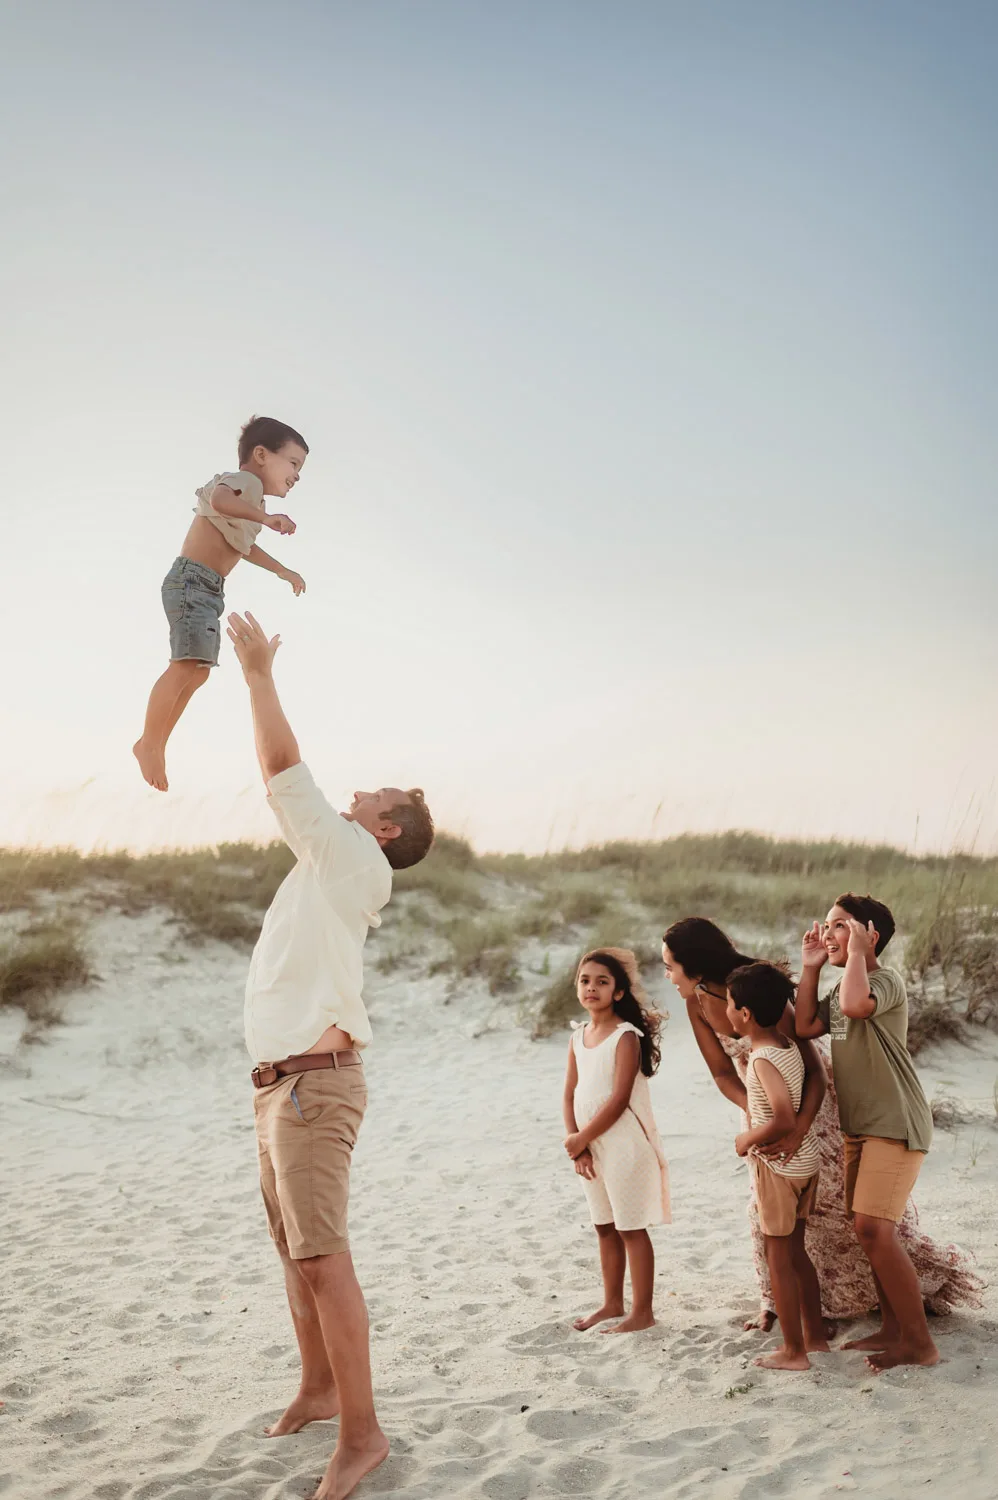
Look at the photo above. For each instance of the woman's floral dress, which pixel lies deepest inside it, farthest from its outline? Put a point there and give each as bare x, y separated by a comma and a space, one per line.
847, 1289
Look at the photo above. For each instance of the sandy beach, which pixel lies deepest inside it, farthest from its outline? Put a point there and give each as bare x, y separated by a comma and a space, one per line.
145, 1340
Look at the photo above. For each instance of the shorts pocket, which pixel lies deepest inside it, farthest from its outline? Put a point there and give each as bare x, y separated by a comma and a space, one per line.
173, 602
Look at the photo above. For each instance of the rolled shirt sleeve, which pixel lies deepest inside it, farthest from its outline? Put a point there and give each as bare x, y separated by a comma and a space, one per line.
313, 829
887, 989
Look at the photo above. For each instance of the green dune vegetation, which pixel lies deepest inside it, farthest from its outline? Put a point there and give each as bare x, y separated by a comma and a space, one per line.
514, 924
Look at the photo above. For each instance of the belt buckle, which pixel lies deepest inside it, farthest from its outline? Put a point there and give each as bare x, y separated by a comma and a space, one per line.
264, 1075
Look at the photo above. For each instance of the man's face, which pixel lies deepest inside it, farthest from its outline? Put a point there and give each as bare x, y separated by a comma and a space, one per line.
372, 810
280, 470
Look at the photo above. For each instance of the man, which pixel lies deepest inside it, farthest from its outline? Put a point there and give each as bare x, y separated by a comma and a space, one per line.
305, 1025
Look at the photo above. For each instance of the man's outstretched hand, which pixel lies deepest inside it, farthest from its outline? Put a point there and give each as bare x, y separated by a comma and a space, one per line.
256, 654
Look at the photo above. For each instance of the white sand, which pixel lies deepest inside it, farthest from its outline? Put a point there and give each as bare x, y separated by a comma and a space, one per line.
144, 1339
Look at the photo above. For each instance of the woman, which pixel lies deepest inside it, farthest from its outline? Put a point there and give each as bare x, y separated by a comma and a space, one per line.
698, 958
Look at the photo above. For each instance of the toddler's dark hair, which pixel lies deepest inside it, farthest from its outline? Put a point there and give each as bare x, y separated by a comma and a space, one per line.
762, 988
866, 909
704, 951
628, 1008
269, 433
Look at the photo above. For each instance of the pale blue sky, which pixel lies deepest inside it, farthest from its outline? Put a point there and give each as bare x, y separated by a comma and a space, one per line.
647, 357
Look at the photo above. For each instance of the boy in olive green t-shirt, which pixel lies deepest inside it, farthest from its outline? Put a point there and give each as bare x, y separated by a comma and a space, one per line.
885, 1117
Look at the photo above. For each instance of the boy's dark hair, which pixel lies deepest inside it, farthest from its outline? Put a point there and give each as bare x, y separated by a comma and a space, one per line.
762, 988
269, 433
628, 1008
704, 951
413, 843
866, 909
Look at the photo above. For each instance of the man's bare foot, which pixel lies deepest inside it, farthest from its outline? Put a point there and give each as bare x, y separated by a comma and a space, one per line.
763, 1322
882, 1339
633, 1323
152, 764
888, 1359
319, 1406
348, 1466
599, 1316
784, 1359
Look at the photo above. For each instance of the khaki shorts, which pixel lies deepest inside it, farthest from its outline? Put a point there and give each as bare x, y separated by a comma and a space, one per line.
306, 1126
782, 1201
880, 1175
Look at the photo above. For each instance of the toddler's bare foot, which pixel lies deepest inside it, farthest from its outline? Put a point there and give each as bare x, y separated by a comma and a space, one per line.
882, 1339
152, 764
633, 1323
348, 1466
601, 1314
318, 1406
784, 1359
903, 1354
763, 1322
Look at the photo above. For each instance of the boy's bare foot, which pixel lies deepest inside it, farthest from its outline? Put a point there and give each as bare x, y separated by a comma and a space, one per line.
900, 1354
348, 1466
319, 1406
633, 1323
783, 1359
599, 1316
763, 1322
152, 764
878, 1340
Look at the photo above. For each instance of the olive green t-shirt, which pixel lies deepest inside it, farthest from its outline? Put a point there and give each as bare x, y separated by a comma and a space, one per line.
877, 1086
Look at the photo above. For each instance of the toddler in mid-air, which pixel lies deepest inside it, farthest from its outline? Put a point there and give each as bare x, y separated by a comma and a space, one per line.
228, 517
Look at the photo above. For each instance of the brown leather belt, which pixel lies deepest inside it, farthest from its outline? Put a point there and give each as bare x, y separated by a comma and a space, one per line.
268, 1073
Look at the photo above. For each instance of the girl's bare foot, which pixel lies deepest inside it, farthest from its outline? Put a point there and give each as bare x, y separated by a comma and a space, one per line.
784, 1359
599, 1316
320, 1406
152, 764
763, 1322
633, 1323
901, 1354
348, 1466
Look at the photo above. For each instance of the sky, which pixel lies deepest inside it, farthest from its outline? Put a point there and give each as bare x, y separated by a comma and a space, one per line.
647, 354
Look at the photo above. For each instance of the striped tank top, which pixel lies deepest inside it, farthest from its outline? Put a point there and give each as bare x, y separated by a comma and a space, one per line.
790, 1065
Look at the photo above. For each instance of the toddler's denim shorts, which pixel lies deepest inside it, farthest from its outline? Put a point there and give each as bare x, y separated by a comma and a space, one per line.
193, 599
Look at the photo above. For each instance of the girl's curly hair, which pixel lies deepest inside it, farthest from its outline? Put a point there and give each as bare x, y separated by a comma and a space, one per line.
633, 1005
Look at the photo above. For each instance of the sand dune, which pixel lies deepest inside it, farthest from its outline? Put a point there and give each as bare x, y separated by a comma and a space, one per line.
144, 1340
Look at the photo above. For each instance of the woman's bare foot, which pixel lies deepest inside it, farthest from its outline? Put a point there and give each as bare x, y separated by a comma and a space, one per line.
599, 1316
348, 1466
763, 1322
878, 1340
152, 764
900, 1354
783, 1359
633, 1323
307, 1407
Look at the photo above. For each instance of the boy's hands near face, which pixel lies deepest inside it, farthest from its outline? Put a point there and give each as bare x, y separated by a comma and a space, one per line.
862, 938
584, 1164
256, 654
281, 523
296, 581
813, 953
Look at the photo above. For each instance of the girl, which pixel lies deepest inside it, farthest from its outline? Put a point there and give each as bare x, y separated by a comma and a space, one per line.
612, 1137
698, 959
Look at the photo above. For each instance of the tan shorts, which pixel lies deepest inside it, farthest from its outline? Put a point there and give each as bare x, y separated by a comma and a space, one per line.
880, 1175
782, 1201
306, 1126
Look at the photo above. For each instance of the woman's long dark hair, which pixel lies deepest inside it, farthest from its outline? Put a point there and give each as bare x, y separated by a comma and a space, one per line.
629, 1008
704, 951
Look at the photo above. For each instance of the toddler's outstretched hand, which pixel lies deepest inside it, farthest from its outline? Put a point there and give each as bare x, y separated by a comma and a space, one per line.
283, 524
296, 581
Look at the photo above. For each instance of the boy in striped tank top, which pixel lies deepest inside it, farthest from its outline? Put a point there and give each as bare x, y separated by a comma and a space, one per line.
785, 1190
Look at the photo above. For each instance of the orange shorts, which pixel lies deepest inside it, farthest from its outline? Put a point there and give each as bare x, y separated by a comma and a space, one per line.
306, 1127
781, 1201
879, 1175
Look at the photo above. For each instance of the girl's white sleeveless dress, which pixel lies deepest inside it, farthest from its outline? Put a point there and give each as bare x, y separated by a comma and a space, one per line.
631, 1187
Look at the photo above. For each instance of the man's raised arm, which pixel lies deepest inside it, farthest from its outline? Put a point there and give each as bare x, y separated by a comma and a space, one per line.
276, 746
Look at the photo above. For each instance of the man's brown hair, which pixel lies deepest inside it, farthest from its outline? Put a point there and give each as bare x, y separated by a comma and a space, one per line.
416, 823
269, 433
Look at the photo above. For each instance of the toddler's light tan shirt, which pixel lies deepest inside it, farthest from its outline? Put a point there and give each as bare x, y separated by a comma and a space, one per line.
307, 969
239, 534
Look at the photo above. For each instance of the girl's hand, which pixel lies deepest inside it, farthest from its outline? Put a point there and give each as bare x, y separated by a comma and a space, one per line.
742, 1143
813, 952
575, 1145
584, 1164
862, 939
283, 524
296, 581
